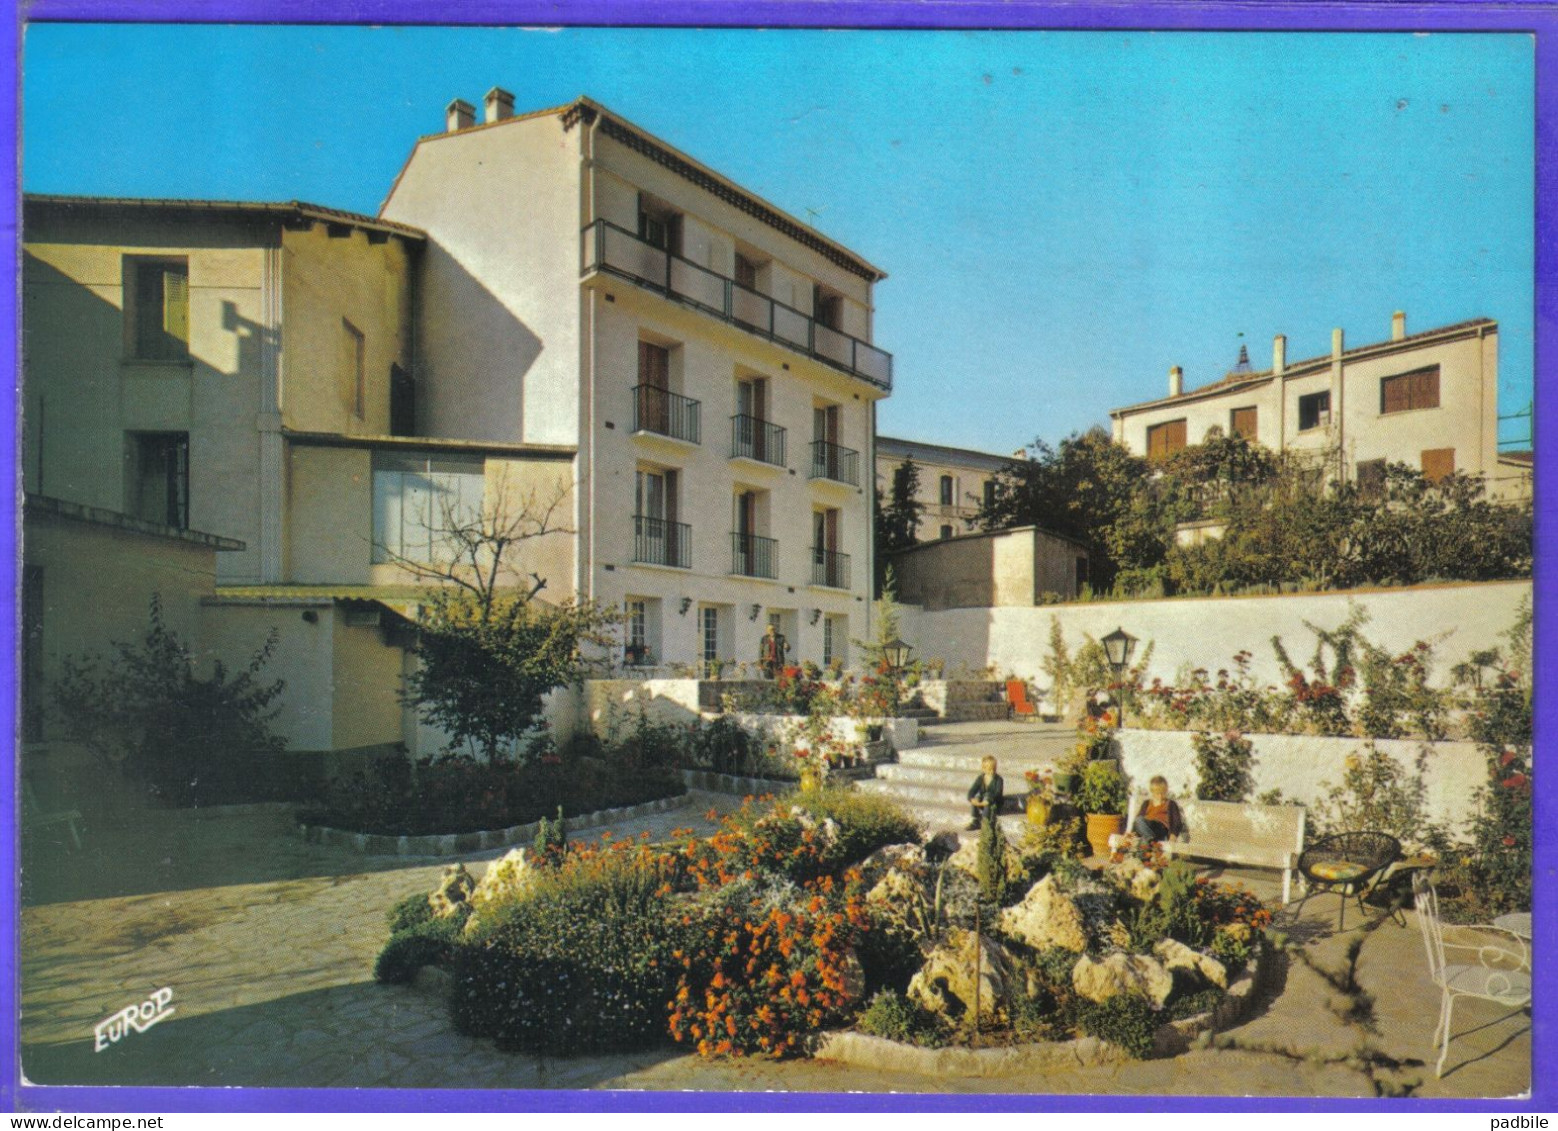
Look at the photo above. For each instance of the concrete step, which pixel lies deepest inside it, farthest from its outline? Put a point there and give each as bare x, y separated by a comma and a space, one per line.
967, 761
942, 816
935, 795
944, 777
974, 712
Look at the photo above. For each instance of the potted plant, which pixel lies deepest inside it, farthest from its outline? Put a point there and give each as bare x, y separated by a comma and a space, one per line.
1102, 798
811, 775
1041, 796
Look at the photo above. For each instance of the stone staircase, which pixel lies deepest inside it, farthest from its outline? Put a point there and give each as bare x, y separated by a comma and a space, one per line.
931, 781
958, 701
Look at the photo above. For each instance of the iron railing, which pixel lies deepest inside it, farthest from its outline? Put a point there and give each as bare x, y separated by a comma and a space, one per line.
832, 461
666, 413
830, 568
658, 542
751, 438
752, 555
617, 251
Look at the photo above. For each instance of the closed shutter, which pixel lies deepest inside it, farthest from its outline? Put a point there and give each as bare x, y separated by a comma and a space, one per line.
175, 303
654, 365
1418, 389
1242, 422
1438, 463
1165, 439
1371, 478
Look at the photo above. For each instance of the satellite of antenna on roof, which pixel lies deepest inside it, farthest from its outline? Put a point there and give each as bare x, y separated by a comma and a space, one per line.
1243, 364
813, 213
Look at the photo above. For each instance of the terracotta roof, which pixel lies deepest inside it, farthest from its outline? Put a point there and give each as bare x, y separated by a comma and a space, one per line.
289, 209
1236, 379
587, 110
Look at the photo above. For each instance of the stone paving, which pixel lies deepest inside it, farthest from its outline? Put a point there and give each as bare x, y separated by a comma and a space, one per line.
268, 945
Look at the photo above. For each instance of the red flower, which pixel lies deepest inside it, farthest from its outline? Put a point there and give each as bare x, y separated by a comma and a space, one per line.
1516, 781
1507, 757
1509, 842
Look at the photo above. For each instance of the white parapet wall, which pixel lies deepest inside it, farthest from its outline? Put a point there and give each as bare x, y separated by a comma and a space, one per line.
1205, 632
1305, 767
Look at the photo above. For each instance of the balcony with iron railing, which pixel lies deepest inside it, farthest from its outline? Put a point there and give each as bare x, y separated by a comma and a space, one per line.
617, 251
754, 439
665, 413
832, 461
829, 568
752, 555
657, 541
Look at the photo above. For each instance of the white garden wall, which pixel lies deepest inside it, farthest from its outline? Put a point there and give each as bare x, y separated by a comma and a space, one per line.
1302, 765
1206, 632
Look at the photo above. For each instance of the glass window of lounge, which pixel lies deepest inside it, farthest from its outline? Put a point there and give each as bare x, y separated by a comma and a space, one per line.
157, 306
946, 490
419, 500
659, 225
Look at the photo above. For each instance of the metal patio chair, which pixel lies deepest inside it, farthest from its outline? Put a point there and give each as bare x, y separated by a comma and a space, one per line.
1500, 974
1345, 864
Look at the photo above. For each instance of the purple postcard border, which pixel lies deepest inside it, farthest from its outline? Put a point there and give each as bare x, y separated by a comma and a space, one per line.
1541, 20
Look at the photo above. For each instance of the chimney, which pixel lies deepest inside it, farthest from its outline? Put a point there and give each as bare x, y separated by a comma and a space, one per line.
460, 115
1176, 381
499, 104
1279, 354
1336, 342
1398, 325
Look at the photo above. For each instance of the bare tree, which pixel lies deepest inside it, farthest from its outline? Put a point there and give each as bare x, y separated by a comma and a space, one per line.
478, 549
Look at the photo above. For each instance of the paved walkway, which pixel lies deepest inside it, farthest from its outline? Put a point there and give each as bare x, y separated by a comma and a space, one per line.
268, 945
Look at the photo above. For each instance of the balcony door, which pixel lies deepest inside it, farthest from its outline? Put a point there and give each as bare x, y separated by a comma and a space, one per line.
654, 388
752, 408
654, 508
825, 431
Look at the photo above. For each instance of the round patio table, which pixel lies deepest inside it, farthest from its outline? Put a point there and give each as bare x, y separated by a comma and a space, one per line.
1516, 923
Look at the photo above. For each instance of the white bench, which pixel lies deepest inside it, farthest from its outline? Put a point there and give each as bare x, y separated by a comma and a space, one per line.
1245, 834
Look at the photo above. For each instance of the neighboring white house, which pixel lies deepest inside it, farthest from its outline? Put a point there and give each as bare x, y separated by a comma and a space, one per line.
710, 357
1428, 399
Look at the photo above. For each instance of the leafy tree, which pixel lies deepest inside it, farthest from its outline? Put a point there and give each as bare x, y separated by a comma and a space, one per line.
190, 740
489, 650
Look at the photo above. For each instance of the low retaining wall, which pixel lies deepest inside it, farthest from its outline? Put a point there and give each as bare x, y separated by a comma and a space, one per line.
452, 844
903, 734
1172, 1038
736, 785
1302, 765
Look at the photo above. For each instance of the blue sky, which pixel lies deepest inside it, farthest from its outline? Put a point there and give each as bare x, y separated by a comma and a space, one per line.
1063, 215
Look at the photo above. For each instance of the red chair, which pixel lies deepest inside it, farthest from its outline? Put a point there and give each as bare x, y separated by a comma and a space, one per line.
1017, 698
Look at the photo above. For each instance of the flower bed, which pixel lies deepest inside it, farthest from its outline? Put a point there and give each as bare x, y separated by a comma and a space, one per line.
799, 916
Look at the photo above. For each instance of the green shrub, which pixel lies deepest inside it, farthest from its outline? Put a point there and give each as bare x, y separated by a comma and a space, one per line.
889, 955
431, 943
895, 1018
1127, 1020
866, 822
1223, 765
1193, 1005
990, 865
1102, 790
189, 740
409, 913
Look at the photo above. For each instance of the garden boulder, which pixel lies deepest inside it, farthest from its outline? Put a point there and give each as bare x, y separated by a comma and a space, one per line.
1175, 955
453, 891
1047, 917
966, 858
945, 984
1135, 877
504, 879
1098, 980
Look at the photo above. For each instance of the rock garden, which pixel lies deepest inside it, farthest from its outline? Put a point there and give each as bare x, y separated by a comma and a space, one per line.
825, 913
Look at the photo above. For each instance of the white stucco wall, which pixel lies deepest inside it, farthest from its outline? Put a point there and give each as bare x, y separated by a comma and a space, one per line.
1305, 767
1208, 631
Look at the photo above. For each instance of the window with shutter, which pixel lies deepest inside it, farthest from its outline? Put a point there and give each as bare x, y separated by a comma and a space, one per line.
1241, 422
1314, 411
159, 307
1438, 463
1163, 440
1403, 391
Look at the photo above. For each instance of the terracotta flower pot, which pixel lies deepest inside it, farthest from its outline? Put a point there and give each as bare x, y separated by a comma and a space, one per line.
1038, 810
1100, 827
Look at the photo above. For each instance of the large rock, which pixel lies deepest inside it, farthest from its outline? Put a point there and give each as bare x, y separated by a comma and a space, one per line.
1098, 980
966, 858
1135, 877
945, 984
453, 891
504, 879
894, 857
1047, 917
1175, 955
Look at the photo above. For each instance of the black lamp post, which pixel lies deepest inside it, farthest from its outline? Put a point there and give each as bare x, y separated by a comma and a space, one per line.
896, 653
1119, 646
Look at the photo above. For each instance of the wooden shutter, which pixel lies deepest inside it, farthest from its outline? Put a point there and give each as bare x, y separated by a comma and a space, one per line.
175, 302
1165, 439
1242, 422
1418, 389
1371, 478
1438, 463
654, 365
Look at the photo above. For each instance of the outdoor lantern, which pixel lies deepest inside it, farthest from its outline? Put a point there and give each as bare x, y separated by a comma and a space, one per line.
1119, 646
897, 653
